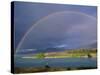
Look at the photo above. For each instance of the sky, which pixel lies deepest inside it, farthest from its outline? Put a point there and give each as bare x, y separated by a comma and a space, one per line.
40, 25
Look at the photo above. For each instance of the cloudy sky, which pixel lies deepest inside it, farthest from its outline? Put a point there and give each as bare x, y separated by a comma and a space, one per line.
39, 25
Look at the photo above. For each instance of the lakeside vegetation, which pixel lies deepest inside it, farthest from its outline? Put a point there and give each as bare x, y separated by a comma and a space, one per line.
85, 53
79, 53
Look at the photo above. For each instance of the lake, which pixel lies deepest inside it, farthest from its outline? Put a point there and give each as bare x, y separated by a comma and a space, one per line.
55, 62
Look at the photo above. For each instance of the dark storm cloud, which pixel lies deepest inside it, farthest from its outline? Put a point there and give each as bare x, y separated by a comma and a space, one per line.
27, 14
62, 29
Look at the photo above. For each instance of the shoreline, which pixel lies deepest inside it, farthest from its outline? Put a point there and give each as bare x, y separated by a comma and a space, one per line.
50, 69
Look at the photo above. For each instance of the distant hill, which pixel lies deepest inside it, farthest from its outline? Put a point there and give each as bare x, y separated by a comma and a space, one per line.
54, 49
93, 45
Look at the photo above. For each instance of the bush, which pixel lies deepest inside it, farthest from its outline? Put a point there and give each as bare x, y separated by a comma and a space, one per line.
40, 55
